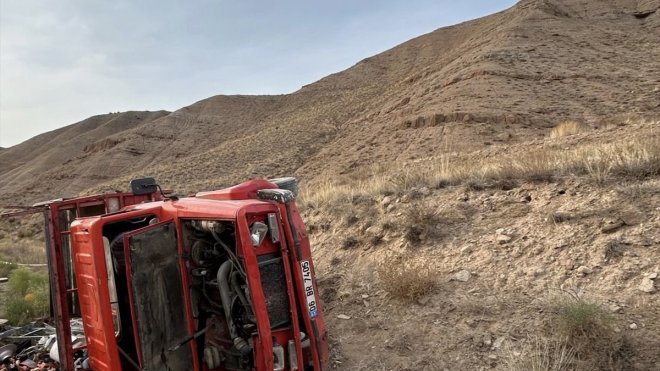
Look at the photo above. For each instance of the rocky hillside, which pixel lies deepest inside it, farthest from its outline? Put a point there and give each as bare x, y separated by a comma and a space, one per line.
502, 78
65, 161
538, 256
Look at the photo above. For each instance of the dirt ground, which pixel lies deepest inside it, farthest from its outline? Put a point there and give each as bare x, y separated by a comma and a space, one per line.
511, 286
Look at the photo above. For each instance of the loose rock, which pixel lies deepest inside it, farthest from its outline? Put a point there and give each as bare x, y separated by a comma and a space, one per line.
423, 300
462, 276
343, 316
615, 308
647, 285
612, 227
584, 270
503, 239
498, 342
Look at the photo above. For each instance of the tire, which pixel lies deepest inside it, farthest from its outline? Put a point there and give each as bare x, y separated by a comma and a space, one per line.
289, 183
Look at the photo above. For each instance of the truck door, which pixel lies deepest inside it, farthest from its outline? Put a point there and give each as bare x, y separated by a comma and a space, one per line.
157, 298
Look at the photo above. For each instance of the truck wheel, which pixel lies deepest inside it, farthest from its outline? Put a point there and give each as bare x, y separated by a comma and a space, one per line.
289, 183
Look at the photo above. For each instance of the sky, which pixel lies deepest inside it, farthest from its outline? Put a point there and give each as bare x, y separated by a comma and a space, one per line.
63, 61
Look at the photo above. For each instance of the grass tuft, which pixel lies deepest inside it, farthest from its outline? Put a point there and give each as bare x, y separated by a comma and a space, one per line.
579, 319
405, 277
589, 330
540, 354
567, 128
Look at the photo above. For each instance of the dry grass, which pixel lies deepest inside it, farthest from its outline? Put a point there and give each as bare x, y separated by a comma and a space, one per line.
420, 223
540, 354
567, 128
22, 240
579, 336
629, 158
406, 277
588, 330
578, 318
23, 250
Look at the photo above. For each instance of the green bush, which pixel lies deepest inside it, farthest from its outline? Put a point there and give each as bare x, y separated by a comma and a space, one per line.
19, 311
27, 296
6, 268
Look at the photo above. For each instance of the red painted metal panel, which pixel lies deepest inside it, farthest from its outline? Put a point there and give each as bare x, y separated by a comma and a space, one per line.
93, 291
298, 241
264, 344
243, 191
58, 287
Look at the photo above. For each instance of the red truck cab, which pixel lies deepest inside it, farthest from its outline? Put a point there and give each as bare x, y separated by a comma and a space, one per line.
221, 280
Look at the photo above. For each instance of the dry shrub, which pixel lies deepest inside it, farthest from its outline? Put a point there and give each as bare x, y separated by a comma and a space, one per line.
23, 251
419, 223
23, 241
614, 249
566, 128
349, 243
331, 193
579, 336
408, 180
540, 354
405, 277
579, 318
636, 158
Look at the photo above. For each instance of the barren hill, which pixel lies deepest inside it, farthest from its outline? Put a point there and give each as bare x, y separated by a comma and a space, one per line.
505, 77
39, 165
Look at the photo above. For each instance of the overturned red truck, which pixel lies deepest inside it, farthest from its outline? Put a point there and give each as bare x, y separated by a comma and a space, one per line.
221, 280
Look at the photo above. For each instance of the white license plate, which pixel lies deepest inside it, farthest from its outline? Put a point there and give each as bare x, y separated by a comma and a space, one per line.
312, 305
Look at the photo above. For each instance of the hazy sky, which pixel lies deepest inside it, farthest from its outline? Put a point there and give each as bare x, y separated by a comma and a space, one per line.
63, 61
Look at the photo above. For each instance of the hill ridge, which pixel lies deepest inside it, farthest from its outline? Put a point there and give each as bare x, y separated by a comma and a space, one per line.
506, 77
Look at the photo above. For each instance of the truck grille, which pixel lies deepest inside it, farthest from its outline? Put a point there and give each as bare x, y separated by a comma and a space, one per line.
273, 281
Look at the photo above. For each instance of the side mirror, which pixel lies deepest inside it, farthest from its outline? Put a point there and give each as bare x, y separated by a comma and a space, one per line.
144, 186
